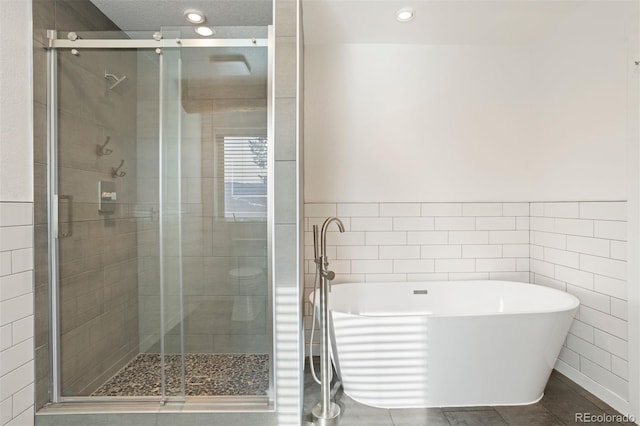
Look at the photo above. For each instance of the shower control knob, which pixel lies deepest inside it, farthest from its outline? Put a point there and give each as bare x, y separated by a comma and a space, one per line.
330, 275
109, 196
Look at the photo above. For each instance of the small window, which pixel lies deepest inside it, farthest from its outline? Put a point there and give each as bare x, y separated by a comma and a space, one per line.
244, 161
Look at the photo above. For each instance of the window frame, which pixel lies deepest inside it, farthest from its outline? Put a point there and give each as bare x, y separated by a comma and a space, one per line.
219, 135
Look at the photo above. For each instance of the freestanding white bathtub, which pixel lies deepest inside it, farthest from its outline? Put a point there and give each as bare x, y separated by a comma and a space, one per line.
444, 344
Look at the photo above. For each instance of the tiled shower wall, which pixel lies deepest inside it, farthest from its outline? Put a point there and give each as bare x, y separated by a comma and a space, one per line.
98, 262
578, 247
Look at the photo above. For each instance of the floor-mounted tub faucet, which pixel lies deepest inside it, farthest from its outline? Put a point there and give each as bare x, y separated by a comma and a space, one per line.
325, 412
323, 244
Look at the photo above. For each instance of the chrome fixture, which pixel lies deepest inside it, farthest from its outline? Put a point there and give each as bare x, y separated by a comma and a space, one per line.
115, 172
116, 80
102, 149
69, 221
325, 412
107, 197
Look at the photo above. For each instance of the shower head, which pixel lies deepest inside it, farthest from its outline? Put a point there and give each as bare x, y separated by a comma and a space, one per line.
116, 79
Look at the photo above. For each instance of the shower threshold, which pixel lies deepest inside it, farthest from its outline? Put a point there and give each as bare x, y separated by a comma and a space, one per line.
205, 375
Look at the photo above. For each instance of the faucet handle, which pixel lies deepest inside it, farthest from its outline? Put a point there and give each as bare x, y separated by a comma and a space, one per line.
330, 275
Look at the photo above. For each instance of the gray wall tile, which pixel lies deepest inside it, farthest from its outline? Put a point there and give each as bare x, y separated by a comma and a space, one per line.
286, 67
286, 200
286, 129
286, 18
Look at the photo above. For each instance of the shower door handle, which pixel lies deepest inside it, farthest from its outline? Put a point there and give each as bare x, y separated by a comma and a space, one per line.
69, 199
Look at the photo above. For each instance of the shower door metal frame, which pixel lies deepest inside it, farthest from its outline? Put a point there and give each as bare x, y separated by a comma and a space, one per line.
217, 403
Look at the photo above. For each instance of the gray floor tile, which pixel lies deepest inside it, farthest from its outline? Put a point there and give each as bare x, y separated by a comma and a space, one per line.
564, 402
581, 391
473, 408
622, 421
217, 419
475, 418
352, 413
528, 415
355, 414
141, 419
419, 417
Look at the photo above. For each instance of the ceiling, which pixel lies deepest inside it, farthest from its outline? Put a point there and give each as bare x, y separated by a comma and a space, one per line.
435, 22
151, 15
363, 21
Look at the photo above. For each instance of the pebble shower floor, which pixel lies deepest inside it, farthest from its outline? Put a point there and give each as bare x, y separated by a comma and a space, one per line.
205, 375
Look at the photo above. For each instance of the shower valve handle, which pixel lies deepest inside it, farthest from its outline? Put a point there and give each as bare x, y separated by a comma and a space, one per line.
330, 275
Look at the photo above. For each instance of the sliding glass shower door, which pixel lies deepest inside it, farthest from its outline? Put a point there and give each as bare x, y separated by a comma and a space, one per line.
158, 198
94, 197
220, 96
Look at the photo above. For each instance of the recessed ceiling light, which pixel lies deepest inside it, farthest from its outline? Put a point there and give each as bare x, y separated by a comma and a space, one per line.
204, 31
194, 16
405, 14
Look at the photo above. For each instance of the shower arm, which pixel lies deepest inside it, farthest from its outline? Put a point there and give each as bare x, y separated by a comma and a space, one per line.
116, 80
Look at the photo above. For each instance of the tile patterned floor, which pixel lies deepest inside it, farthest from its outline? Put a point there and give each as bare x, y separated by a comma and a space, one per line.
562, 400
205, 375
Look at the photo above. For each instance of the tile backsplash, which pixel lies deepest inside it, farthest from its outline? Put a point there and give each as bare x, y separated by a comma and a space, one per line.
577, 247
16, 313
423, 241
581, 248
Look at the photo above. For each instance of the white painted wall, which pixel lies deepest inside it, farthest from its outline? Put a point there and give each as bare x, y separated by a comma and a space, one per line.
540, 119
412, 122
16, 215
579, 93
416, 123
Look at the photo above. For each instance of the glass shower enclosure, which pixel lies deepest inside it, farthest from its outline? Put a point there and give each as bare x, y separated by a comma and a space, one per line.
159, 169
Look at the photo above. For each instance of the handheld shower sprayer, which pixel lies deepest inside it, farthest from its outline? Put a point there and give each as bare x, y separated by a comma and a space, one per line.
325, 412
316, 240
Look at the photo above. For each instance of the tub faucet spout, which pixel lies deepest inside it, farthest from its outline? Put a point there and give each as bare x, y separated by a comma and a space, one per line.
323, 236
